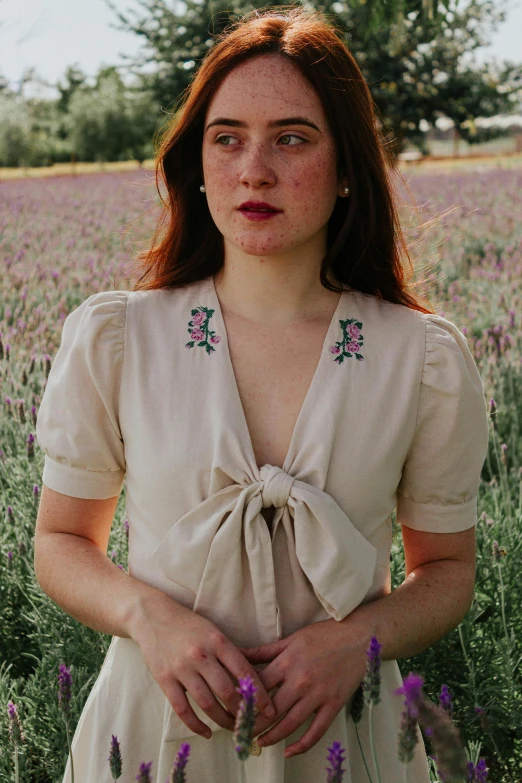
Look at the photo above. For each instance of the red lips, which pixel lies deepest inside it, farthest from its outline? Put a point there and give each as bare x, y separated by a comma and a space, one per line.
259, 205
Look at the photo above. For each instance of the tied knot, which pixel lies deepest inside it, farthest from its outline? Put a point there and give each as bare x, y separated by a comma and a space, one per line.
277, 486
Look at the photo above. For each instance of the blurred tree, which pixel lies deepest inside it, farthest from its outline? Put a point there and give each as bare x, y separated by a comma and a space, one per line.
431, 72
74, 80
414, 60
15, 131
111, 121
177, 37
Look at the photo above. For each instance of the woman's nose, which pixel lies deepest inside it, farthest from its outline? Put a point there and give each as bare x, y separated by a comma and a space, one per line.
256, 168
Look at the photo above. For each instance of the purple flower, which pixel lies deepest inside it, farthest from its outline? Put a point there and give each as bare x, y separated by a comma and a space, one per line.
335, 758
36, 490
115, 758
372, 681
408, 735
16, 733
143, 775
178, 773
126, 527
30, 445
445, 700
9, 559
481, 771
10, 513
64, 688
245, 718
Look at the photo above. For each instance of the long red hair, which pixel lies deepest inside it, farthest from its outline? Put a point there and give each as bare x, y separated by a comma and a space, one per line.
366, 248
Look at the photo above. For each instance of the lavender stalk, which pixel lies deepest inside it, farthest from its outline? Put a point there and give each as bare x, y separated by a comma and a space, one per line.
115, 758
143, 775
245, 718
64, 701
178, 773
372, 692
16, 734
335, 758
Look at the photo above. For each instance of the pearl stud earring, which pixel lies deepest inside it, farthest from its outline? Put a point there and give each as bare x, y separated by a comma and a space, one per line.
346, 190
202, 188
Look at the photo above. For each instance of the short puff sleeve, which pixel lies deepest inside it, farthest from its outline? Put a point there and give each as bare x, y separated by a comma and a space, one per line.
78, 420
440, 480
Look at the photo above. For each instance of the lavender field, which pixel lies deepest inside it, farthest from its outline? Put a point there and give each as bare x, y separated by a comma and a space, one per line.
62, 239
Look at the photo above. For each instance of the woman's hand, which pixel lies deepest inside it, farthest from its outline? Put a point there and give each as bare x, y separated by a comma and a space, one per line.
318, 669
186, 652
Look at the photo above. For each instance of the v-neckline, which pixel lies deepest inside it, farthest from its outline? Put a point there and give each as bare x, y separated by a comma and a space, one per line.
235, 387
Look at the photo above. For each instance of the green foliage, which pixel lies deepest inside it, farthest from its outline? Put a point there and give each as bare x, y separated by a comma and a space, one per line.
415, 61
111, 122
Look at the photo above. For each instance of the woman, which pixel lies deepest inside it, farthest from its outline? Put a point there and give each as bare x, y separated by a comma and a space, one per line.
272, 391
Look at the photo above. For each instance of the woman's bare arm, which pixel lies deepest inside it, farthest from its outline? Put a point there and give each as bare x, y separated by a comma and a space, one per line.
182, 650
72, 567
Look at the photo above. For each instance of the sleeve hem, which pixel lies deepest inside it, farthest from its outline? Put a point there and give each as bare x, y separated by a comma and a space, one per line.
81, 483
431, 518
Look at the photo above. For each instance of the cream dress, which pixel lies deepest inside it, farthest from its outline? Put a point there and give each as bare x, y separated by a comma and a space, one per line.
142, 390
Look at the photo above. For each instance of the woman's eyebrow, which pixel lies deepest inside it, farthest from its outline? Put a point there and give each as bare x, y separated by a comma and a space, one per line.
274, 124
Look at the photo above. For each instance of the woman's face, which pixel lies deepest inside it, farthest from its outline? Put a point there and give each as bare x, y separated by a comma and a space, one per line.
266, 139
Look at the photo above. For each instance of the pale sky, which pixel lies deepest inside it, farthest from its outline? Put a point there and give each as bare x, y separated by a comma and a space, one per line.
52, 34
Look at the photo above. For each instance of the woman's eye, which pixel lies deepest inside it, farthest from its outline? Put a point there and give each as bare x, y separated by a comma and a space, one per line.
291, 136
225, 140
220, 139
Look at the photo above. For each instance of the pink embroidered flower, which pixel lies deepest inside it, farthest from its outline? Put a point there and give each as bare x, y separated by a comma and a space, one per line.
199, 318
351, 343
199, 329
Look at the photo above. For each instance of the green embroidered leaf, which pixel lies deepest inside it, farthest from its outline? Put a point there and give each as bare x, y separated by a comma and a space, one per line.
359, 324
193, 312
340, 359
208, 348
348, 353
359, 356
203, 342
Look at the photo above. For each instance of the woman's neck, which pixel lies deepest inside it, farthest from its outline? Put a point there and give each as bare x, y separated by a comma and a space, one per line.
273, 291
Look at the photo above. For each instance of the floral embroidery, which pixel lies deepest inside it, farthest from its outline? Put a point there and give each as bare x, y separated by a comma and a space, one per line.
198, 328
351, 343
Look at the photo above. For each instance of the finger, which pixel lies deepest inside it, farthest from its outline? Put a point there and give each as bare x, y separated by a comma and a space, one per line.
284, 700
181, 706
203, 696
222, 685
294, 718
265, 652
238, 665
273, 675
320, 725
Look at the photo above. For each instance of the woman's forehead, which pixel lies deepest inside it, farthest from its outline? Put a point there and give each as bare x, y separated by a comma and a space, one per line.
267, 86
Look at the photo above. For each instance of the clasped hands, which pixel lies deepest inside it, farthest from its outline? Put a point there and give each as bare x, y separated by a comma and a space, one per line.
317, 669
